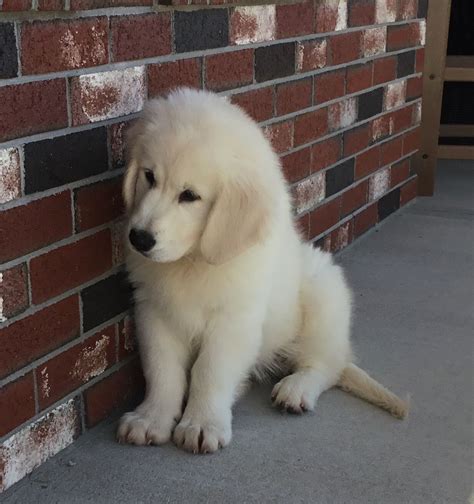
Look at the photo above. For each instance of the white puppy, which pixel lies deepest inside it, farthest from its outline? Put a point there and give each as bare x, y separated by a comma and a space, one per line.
225, 287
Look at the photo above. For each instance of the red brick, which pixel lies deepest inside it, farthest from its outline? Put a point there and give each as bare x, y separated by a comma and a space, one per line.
402, 119
407, 9
364, 220
325, 153
361, 12
294, 19
257, 103
356, 139
117, 389
10, 174
391, 151
341, 237
420, 60
143, 36
35, 335
127, 338
16, 398
346, 47
367, 162
74, 367
399, 172
359, 77
414, 88
13, 291
293, 96
32, 108
324, 217
106, 95
15, 5
98, 203
229, 70
163, 77
385, 70
34, 225
280, 135
382, 127
52, 46
329, 86
331, 16
50, 5
402, 36
311, 126
311, 55
302, 225
408, 192
354, 198
67, 267
296, 165
411, 141
99, 4
252, 24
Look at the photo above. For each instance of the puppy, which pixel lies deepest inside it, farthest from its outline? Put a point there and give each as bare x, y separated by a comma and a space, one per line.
224, 285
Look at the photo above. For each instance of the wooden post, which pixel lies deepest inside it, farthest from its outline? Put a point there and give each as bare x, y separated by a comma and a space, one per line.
437, 30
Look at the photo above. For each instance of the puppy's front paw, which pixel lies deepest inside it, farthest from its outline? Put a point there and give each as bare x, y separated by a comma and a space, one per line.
144, 428
296, 393
199, 435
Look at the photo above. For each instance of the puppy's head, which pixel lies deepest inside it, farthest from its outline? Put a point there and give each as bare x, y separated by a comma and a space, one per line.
194, 185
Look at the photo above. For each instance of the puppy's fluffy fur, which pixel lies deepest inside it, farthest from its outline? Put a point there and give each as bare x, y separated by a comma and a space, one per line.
229, 288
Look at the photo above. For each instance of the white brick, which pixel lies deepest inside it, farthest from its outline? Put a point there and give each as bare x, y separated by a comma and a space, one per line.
379, 184
9, 174
106, 95
423, 33
375, 41
342, 114
309, 192
340, 238
253, 24
33, 445
418, 110
311, 55
341, 15
395, 94
386, 11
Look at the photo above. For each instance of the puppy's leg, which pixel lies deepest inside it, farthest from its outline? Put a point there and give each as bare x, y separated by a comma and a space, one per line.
164, 359
323, 346
225, 357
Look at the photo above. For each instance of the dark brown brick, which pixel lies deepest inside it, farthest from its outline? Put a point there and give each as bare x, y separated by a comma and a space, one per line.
346, 47
258, 103
296, 165
201, 29
50, 5
399, 172
143, 36
17, 402
100, 4
367, 162
35, 225
13, 290
294, 19
52, 46
311, 126
163, 77
411, 141
8, 51
32, 108
359, 77
364, 220
402, 36
339, 177
361, 12
414, 88
409, 191
329, 86
354, 198
67, 267
356, 140
388, 204
325, 153
229, 70
324, 217
385, 70
293, 96
274, 61
391, 151
35, 335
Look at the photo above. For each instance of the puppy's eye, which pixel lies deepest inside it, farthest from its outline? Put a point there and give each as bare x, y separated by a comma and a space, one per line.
150, 177
188, 196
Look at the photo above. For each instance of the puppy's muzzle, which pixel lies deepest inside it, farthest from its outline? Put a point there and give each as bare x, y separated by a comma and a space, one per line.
142, 240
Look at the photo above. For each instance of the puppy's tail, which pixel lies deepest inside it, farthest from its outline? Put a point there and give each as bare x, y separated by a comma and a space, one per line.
359, 383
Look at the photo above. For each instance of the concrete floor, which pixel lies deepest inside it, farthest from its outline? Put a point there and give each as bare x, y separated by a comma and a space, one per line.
413, 279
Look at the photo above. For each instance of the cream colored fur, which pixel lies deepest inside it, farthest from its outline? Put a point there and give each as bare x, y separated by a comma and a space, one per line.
229, 289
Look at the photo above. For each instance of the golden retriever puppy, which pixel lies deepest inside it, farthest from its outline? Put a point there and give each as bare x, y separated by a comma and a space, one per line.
225, 287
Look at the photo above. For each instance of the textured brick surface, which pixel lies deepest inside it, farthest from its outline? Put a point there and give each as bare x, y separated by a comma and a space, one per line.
202, 29
13, 292
339, 177
366, 219
33, 336
294, 19
354, 198
16, 398
257, 103
329, 86
311, 55
325, 153
346, 47
25, 228
361, 12
32, 108
51, 46
296, 165
359, 77
229, 70
8, 51
280, 135
311, 126
388, 204
55, 162
164, 76
67, 267
274, 61
10, 174
293, 96
138, 37
324, 217
252, 24
76, 366
331, 15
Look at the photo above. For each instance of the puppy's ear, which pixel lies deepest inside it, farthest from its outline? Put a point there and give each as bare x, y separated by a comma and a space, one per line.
129, 186
238, 220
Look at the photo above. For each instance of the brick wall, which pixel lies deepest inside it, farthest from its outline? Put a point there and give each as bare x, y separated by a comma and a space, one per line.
335, 84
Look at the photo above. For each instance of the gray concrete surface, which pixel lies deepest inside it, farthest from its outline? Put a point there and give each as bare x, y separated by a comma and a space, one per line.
413, 280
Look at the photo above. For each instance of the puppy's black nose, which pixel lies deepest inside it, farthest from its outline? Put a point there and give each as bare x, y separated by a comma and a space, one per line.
142, 240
